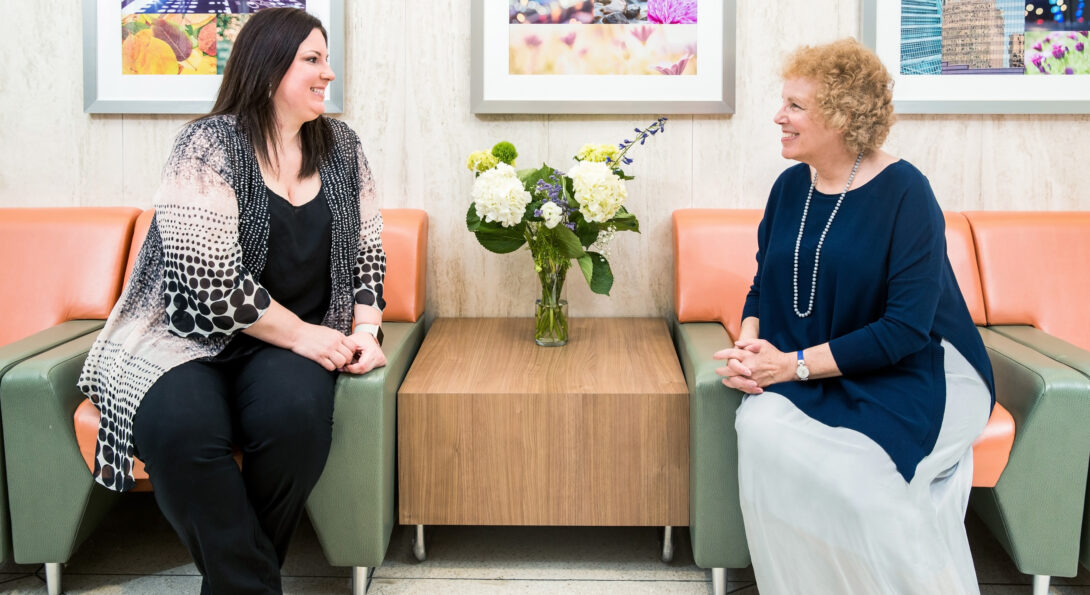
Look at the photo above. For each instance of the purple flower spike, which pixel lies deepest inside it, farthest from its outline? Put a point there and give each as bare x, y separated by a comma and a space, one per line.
1037, 46
569, 39
1059, 51
1085, 33
1079, 47
532, 40
1069, 70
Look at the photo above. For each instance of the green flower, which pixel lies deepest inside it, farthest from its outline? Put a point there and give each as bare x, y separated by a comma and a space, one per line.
505, 152
481, 161
598, 153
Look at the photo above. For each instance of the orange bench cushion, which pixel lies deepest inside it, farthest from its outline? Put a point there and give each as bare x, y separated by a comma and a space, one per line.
1033, 270
60, 264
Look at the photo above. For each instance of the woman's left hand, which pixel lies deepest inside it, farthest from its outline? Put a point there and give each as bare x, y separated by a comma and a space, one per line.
369, 354
766, 364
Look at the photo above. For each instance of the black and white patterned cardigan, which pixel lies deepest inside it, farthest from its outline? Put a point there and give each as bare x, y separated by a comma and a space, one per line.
196, 280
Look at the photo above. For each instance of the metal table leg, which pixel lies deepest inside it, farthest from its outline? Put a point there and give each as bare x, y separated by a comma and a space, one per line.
668, 545
418, 544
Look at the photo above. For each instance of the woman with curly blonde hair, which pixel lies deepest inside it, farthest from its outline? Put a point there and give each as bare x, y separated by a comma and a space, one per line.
866, 379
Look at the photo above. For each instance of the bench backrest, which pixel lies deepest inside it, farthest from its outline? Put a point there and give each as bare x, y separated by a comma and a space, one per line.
1033, 269
60, 264
714, 264
405, 240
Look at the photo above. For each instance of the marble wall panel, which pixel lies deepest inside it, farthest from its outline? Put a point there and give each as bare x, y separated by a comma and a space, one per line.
146, 143
1033, 162
47, 145
407, 94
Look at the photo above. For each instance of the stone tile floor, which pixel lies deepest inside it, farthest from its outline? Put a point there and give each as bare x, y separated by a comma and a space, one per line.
135, 552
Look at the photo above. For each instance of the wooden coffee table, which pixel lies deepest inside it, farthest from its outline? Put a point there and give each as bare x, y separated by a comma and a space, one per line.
495, 430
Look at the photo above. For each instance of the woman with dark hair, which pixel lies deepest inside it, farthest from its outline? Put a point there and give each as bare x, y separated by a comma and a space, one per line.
866, 380
260, 279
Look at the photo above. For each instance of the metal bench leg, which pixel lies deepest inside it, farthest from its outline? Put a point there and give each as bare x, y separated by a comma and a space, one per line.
719, 581
53, 578
418, 544
1040, 584
361, 578
668, 544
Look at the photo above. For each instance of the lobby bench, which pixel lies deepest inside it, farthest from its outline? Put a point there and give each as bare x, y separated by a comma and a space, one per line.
1037, 432
47, 423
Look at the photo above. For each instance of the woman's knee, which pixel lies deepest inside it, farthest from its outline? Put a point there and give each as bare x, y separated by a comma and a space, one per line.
286, 398
757, 422
183, 417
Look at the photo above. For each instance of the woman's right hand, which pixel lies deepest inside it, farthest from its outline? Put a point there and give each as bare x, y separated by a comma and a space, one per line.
328, 347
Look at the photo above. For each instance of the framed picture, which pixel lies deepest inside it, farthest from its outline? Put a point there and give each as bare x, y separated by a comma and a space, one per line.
167, 56
983, 56
595, 57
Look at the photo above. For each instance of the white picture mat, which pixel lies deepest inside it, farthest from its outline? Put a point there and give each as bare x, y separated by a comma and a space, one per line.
560, 93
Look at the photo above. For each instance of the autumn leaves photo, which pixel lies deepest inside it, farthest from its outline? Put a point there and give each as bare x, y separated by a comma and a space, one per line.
184, 36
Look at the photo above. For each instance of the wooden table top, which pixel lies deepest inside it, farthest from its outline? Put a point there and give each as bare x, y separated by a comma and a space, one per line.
499, 356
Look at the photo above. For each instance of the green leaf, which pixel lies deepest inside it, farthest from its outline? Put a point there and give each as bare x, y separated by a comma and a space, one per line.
473, 222
625, 221
569, 193
596, 270
587, 231
493, 236
501, 240
568, 242
529, 177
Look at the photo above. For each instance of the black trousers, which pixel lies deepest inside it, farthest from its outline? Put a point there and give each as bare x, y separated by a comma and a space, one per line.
274, 405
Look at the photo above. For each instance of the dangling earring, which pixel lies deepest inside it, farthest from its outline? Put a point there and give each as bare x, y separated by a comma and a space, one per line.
269, 94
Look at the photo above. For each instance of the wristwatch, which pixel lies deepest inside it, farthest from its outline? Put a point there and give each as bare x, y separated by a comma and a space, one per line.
374, 329
801, 371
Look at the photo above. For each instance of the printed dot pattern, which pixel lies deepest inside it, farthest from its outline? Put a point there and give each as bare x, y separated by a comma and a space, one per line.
196, 280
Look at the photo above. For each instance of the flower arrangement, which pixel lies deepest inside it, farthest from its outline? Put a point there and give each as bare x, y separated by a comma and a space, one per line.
562, 217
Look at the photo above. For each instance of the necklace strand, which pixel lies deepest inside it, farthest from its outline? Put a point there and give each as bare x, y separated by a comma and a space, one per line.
821, 240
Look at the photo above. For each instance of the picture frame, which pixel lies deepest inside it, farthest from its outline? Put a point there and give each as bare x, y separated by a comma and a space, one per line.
708, 90
106, 90
967, 93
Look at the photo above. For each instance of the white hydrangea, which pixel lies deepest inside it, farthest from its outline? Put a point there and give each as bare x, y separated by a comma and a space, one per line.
552, 213
599, 191
498, 195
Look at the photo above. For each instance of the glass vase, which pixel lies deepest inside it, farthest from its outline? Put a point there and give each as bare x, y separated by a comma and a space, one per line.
551, 313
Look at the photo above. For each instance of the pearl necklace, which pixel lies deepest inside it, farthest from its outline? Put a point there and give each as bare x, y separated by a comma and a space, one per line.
821, 240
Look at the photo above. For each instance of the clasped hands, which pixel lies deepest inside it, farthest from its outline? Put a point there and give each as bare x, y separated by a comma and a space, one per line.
357, 353
753, 364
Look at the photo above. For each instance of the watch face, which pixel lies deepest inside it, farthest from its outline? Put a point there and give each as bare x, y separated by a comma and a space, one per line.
802, 371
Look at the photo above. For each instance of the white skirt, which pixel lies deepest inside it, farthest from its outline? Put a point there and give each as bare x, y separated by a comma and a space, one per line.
826, 511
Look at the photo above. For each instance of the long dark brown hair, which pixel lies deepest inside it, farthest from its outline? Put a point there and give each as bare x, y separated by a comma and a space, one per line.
261, 55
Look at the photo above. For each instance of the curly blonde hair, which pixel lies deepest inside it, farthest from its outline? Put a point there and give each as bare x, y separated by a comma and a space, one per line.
855, 92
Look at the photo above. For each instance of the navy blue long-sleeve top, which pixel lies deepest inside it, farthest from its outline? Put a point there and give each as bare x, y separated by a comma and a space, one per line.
886, 297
